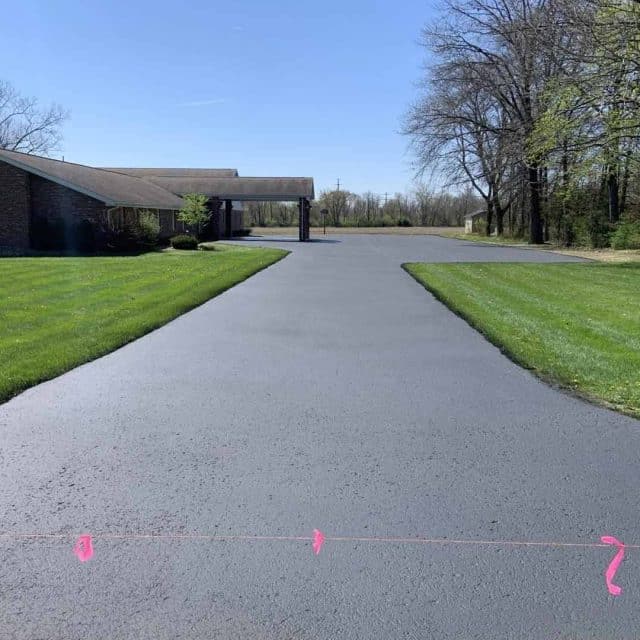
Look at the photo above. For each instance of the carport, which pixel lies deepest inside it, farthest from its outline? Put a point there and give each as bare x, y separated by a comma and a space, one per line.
224, 190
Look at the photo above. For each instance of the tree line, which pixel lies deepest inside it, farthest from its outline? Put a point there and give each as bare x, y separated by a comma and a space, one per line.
423, 207
535, 104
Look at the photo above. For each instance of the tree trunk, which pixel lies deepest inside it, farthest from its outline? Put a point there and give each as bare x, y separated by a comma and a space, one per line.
544, 179
625, 184
489, 216
535, 221
500, 221
499, 211
612, 190
522, 205
563, 227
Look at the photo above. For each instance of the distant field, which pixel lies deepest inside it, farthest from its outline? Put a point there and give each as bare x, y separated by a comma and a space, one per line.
577, 325
56, 313
396, 231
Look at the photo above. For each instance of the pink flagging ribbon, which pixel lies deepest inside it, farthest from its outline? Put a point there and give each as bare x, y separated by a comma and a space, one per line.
318, 541
83, 548
610, 573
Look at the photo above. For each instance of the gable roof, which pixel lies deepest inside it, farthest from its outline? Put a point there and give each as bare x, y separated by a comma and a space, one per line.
234, 188
114, 189
163, 172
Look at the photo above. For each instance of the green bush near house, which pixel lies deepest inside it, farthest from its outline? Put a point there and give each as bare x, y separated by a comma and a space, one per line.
184, 242
148, 228
195, 212
139, 234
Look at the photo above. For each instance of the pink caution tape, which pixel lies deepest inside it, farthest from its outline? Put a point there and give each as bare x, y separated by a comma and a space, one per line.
318, 541
610, 573
83, 548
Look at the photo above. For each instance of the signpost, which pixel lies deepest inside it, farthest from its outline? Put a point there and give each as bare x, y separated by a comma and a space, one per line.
324, 219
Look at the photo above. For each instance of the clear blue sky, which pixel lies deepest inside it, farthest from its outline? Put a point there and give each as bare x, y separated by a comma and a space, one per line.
285, 87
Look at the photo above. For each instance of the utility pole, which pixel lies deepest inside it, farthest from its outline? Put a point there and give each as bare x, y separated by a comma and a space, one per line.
338, 189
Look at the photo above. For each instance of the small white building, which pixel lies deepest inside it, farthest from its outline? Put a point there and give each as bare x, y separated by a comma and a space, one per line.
473, 221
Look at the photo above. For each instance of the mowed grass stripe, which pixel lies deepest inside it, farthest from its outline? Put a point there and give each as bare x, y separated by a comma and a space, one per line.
577, 325
519, 312
521, 294
56, 313
524, 294
556, 297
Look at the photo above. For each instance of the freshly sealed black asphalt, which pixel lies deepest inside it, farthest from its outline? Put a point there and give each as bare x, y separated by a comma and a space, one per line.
330, 391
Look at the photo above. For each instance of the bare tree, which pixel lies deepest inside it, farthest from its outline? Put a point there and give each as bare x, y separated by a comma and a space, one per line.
463, 129
497, 50
27, 127
337, 203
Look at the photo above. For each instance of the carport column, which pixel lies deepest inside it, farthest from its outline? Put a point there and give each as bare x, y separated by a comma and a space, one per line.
228, 209
307, 218
301, 219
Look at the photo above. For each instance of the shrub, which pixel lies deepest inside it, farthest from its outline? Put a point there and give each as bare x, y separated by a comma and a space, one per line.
591, 231
184, 242
405, 222
626, 236
123, 240
597, 230
195, 212
148, 228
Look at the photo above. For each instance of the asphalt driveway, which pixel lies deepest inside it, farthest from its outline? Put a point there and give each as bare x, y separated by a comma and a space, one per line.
330, 391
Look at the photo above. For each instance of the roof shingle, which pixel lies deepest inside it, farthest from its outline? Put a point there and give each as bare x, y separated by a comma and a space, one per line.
163, 172
114, 189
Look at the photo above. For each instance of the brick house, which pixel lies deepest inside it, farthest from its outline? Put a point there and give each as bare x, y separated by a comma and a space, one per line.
52, 204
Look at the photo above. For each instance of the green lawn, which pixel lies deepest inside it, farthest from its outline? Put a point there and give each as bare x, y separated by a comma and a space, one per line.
577, 325
56, 313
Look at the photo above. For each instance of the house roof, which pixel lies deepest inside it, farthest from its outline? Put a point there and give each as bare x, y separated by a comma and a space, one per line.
234, 188
158, 187
164, 172
110, 187
475, 214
